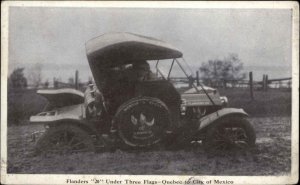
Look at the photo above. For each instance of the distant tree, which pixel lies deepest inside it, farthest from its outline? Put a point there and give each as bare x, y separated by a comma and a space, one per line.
220, 72
35, 75
17, 79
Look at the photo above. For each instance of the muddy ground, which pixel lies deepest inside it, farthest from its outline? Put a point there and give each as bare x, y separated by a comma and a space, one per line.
272, 156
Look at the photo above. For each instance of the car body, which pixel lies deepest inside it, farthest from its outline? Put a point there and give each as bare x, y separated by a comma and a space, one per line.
122, 109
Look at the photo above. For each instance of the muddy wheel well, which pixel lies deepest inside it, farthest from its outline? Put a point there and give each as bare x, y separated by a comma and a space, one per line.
221, 119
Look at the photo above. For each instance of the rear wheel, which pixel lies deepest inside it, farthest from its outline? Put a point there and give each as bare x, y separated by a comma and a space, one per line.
230, 133
142, 122
65, 139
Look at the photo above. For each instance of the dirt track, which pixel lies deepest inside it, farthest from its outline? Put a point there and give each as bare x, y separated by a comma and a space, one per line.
271, 156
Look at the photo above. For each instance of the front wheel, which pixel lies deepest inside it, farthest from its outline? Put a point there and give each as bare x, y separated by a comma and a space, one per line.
230, 133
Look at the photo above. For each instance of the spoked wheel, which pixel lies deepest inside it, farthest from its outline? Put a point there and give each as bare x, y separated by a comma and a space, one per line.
230, 134
65, 139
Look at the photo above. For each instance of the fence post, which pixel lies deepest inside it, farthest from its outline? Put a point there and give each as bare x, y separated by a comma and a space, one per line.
197, 78
76, 79
267, 84
191, 80
264, 82
251, 85
55, 83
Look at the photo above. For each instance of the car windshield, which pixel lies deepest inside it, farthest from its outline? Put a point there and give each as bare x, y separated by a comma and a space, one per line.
178, 72
175, 70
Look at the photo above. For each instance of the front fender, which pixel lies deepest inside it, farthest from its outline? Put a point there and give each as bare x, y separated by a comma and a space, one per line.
213, 117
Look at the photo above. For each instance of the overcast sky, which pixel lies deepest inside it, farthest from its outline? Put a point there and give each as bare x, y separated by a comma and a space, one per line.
55, 37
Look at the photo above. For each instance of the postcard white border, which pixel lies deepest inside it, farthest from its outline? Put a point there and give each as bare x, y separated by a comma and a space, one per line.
61, 179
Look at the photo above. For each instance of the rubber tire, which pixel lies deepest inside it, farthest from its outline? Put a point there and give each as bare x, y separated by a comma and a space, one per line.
118, 121
42, 145
231, 121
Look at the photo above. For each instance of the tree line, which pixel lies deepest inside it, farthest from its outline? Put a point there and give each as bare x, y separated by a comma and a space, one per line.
220, 72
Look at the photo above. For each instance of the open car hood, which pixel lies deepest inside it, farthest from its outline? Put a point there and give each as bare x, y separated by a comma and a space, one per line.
194, 98
193, 90
62, 97
113, 49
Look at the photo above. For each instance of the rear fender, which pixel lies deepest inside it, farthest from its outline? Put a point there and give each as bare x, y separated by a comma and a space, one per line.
74, 112
62, 97
213, 118
66, 115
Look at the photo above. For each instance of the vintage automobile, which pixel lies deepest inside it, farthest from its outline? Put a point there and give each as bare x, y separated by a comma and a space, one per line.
132, 107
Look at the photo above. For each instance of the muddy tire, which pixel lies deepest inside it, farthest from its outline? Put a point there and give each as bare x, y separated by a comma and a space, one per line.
230, 133
65, 139
142, 122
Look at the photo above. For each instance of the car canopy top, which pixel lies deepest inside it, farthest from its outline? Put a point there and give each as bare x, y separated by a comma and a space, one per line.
115, 49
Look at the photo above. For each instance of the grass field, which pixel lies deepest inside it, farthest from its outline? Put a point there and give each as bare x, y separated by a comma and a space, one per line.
274, 102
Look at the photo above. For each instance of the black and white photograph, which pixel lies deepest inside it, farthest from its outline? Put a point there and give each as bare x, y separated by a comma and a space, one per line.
149, 92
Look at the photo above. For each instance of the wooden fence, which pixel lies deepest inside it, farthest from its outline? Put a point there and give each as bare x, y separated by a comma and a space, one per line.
264, 84
250, 84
